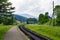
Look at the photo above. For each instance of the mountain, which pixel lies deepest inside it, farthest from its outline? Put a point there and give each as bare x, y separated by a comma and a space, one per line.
27, 16
20, 18
23, 17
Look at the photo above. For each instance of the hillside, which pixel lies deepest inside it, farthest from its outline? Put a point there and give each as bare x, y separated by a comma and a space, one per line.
20, 18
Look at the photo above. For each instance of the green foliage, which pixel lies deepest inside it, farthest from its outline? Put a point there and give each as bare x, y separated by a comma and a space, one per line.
0, 20
51, 22
46, 17
43, 18
8, 20
31, 20
57, 13
45, 30
3, 1
3, 30
5, 12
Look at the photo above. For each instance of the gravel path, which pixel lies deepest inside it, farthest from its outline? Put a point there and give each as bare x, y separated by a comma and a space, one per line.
15, 34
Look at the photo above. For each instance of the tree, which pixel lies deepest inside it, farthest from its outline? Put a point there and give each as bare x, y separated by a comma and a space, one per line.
3, 1
31, 21
41, 19
5, 12
1, 7
44, 18
57, 13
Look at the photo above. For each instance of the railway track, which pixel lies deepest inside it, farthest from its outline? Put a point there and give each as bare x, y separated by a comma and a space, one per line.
32, 35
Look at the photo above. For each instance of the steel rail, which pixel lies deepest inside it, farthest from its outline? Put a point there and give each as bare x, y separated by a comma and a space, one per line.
32, 35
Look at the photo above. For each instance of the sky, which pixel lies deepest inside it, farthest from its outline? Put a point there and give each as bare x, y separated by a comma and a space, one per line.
33, 7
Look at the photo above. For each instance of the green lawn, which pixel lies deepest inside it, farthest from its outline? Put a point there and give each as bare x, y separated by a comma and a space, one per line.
48, 31
3, 30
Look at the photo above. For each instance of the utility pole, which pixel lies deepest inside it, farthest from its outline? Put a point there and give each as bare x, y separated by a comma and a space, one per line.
53, 14
53, 8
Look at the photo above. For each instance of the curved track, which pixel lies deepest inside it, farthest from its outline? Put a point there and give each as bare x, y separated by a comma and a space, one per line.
31, 34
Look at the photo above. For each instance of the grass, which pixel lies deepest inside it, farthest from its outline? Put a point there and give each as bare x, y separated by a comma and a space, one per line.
3, 30
48, 31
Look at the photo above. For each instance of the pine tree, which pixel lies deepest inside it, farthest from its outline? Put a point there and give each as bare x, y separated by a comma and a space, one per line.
6, 13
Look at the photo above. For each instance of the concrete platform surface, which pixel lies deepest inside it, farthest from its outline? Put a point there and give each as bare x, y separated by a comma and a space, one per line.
15, 34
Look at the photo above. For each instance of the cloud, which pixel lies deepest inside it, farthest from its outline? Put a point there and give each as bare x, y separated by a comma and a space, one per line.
33, 7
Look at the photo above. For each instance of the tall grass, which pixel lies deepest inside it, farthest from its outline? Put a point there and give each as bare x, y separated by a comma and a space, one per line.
48, 31
3, 30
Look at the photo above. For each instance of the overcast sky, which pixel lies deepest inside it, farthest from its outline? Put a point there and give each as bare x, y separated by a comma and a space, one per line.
33, 7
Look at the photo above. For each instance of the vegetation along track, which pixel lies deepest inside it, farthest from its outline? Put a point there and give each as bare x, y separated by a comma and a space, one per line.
32, 35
